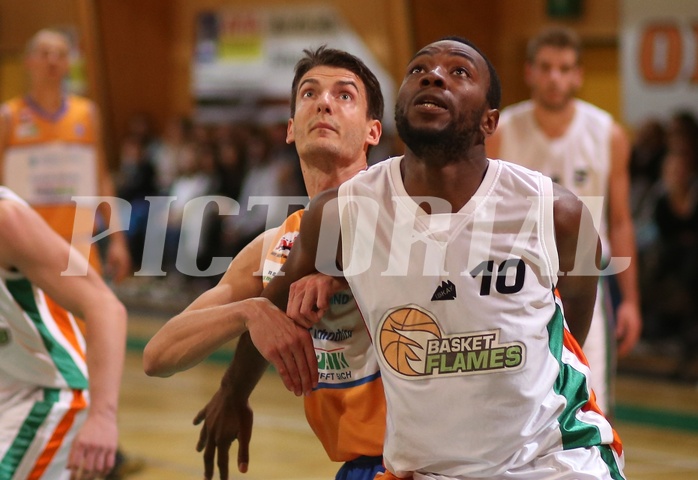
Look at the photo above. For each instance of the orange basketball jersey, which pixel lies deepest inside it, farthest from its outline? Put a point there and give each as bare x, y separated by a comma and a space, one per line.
347, 409
51, 158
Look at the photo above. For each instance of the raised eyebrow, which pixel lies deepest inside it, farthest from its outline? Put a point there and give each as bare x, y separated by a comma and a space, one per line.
341, 83
306, 81
464, 55
348, 83
454, 53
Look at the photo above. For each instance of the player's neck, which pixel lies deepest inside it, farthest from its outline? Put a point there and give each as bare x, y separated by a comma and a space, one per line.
554, 122
320, 178
48, 98
455, 182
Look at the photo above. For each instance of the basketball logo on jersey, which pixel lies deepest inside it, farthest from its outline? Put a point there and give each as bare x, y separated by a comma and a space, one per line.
413, 346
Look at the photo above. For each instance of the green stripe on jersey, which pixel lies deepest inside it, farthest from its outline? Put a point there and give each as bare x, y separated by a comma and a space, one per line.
27, 432
23, 294
610, 460
571, 384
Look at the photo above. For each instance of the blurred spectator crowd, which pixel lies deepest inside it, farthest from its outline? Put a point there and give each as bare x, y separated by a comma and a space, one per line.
664, 199
187, 161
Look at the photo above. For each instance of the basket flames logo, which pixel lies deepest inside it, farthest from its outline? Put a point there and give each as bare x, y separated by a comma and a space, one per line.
412, 345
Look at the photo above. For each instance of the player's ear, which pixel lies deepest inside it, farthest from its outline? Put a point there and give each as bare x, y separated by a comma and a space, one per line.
490, 119
290, 138
375, 129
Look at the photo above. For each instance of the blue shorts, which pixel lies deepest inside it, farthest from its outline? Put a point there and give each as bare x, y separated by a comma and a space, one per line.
363, 468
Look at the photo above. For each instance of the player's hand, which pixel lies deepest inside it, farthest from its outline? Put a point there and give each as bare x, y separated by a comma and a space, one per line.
309, 298
94, 448
285, 344
225, 419
118, 259
628, 327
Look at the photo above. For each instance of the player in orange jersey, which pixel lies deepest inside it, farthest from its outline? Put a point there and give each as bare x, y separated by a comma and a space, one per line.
51, 150
336, 107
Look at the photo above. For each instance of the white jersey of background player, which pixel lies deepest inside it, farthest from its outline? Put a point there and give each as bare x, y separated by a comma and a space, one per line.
579, 146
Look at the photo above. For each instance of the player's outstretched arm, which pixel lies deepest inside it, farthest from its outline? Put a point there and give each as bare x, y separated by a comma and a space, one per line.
227, 416
211, 320
284, 343
579, 251
30, 246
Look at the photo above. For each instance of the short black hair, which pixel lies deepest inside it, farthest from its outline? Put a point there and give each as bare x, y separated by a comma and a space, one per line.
494, 92
331, 57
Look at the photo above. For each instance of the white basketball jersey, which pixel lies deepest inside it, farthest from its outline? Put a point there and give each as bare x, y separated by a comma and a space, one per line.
40, 342
580, 160
480, 373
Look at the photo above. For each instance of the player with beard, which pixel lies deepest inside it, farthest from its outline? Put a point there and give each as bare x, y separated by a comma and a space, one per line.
453, 260
579, 146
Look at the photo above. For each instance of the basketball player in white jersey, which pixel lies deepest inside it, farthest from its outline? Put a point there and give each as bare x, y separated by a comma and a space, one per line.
59, 389
580, 147
482, 377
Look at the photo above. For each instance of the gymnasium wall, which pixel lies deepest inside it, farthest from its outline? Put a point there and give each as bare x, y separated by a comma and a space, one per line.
139, 52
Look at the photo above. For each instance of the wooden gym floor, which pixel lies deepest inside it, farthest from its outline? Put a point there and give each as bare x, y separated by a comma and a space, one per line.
656, 419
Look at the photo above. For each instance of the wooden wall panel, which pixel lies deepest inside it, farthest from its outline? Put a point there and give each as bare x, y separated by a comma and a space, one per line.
518, 21
145, 47
136, 50
475, 20
19, 20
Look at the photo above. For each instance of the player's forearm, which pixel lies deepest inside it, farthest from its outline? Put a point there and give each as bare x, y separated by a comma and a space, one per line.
106, 345
245, 371
622, 239
579, 308
188, 338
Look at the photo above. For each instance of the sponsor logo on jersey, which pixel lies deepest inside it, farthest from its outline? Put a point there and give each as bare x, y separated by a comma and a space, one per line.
338, 335
284, 245
445, 291
4, 336
340, 299
413, 346
580, 176
80, 130
332, 365
27, 130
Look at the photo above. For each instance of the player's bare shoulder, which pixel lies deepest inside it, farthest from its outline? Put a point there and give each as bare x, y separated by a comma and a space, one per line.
14, 217
567, 210
324, 205
575, 232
